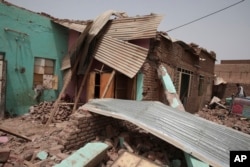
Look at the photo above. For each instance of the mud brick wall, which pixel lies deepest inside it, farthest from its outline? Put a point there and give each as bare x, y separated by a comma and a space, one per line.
83, 127
232, 89
151, 83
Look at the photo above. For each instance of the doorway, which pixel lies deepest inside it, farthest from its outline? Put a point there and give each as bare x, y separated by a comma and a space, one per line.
185, 78
2, 84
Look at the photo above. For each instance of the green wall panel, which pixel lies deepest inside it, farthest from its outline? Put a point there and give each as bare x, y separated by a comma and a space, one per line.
25, 35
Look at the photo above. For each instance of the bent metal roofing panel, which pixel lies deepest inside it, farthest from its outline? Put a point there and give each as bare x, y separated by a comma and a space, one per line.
205, 140
122, 56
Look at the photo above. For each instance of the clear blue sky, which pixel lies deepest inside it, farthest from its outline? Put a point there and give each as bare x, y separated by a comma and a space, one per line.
227, 33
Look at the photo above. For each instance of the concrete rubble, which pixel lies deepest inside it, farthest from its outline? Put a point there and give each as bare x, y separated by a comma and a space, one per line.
52, 144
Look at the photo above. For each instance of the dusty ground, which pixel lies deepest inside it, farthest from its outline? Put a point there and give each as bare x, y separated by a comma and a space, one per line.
24, 152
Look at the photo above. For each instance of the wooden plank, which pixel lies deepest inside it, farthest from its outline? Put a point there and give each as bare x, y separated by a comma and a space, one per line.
82, 84
91, 86
68, 79
107, 85
10, 131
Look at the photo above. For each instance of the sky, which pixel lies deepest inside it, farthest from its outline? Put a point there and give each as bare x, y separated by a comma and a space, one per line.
227, 32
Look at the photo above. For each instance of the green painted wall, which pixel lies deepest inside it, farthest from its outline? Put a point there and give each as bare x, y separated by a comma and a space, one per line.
44, 39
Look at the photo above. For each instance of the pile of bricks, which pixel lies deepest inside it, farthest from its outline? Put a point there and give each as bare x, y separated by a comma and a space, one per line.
121, 136
222, 116
41, 112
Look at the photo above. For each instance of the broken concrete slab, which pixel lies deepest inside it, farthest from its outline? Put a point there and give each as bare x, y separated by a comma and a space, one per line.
89, 155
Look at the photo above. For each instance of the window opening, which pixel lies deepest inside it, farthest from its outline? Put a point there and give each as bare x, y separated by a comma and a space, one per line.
44, 73
201, 85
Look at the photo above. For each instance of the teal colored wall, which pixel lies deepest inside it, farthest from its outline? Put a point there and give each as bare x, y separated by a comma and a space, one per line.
44, 39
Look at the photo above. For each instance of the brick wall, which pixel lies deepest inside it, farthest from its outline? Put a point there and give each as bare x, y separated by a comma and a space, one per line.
174, 56
234, 73
232, 89
83, 127
151, 83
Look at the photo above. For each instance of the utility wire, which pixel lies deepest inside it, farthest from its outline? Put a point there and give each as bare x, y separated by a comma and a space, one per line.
205, 16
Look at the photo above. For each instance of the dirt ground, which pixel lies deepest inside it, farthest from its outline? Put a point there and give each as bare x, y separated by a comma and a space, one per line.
24, 152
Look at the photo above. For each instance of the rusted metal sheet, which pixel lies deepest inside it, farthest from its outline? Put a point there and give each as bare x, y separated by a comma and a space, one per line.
122, 56
203, 139
130, 28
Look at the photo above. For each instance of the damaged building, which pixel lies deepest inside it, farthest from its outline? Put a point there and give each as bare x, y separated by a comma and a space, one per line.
125, 66
107, 84
31, 52
118, 59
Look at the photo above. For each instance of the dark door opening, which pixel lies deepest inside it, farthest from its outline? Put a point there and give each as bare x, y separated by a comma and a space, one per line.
2, 85
185, 80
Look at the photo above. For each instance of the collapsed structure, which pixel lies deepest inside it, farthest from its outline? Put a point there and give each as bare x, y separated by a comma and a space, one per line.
123, 62
113, 56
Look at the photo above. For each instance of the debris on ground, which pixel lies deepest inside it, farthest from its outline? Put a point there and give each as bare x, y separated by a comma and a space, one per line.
42, 151
41, 112
224, 117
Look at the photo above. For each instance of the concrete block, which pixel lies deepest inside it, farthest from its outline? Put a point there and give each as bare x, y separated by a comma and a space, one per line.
89, 155
193, 162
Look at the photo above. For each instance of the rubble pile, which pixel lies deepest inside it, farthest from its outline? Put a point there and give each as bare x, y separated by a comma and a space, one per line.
139, 143
42, 112
35, 148
27, 142
224, 117
43, 151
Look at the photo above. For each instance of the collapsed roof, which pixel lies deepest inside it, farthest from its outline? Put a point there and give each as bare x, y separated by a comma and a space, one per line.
113, 36
203, 139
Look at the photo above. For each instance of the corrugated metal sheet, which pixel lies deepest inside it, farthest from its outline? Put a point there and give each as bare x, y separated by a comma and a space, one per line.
122, 56
205, 140
126, 28
129, 28
72, 53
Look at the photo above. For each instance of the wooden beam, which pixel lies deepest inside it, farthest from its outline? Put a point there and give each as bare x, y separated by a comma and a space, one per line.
108, 84
68, 79
82, 84
10, 131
